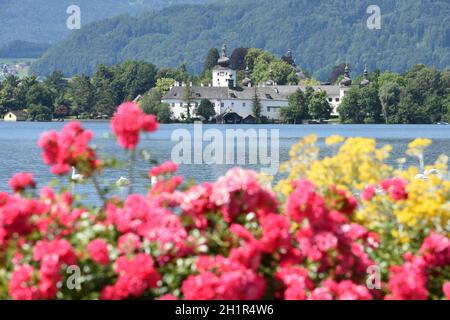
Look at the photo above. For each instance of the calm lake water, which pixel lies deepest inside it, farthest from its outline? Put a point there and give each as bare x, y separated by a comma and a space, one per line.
19, 151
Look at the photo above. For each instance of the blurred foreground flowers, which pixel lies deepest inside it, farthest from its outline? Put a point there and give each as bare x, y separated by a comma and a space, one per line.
316, 235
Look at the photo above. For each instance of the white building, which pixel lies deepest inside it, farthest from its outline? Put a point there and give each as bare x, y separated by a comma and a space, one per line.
230, 99
13, 116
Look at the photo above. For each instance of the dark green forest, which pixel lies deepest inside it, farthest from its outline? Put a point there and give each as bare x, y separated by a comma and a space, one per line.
23, 49
44, 21
321, 33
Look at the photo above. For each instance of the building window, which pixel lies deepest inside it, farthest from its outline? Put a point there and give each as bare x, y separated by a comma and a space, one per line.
222, 104
337, 99
243, 104
330, 99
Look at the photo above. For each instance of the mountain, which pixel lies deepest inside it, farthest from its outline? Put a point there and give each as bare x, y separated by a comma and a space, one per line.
44, 21
321, 33
23, 49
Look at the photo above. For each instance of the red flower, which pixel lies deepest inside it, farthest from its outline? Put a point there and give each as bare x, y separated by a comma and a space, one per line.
446, 290
396, 187
136, 275
20, 285
67, 149
129, 243
368, 193
239, 192
98, 251
167, 167
129, 121
22, 181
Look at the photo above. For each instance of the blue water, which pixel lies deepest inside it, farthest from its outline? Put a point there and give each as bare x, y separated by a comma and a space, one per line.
19, 151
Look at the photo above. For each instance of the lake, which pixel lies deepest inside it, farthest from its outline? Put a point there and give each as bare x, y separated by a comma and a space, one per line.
19, 151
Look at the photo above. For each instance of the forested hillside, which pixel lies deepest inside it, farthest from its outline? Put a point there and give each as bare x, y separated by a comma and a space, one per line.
321, 33
44, 21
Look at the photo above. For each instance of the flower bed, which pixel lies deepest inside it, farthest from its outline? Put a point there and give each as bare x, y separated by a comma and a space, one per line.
347, 226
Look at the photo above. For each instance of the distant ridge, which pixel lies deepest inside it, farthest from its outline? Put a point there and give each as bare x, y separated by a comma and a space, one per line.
321, 33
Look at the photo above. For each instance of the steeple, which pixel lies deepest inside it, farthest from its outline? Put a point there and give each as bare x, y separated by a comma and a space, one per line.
247, 82
289, 58
347, 81
224, 61
270, 82
366, 80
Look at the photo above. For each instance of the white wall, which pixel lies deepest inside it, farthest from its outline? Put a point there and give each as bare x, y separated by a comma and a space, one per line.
269, 108
221, 76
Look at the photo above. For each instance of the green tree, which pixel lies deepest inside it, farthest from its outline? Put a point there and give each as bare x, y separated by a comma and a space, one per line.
390, 98
188, 101
151, 104
361, 105
210, 60
56, 82
206, 109
107, 96
164, 84
136, 77
38, 112
297, 109
82, 94
10, 95
256, 107
318, 106
40, 95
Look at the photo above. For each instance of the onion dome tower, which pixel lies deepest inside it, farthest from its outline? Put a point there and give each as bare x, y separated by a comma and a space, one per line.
347, 81
247, 82
223, 75
366, 80
270, 82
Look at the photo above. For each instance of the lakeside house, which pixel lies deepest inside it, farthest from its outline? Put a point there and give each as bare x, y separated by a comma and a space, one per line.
233, 103
13, 116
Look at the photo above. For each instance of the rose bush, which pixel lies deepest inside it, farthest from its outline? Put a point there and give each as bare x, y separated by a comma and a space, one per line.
314, 236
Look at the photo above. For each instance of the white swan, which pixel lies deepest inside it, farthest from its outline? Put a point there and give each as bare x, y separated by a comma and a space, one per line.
122, 182
76, 177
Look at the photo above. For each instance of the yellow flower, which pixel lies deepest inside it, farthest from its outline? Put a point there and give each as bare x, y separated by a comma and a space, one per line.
332, 140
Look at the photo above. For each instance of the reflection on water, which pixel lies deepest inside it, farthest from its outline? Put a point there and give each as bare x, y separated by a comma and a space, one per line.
19, 151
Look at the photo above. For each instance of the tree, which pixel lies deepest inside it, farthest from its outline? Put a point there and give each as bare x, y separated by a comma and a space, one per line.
163, 85
206, 109
210, 60
336, 73
256, 107
297, 109
56, 82
10, 95
136, 77
107, 96
361, 105
318, 106
390, 98
40, 95
151, 104
187, 99
237, 58
82, 94
38, 112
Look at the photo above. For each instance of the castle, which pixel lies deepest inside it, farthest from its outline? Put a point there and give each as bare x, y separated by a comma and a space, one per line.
233, 103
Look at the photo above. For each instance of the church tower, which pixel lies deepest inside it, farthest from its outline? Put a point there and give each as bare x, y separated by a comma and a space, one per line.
223, 75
